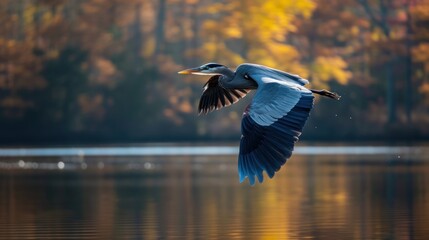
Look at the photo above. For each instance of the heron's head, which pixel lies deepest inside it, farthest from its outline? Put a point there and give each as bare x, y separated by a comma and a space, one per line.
206, 69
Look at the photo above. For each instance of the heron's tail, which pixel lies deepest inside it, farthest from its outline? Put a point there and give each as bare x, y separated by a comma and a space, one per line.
327, 93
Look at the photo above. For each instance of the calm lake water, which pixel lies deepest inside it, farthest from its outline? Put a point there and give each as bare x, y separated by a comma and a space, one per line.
321, 193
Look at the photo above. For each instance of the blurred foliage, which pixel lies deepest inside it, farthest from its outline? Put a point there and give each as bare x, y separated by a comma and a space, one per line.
97, 70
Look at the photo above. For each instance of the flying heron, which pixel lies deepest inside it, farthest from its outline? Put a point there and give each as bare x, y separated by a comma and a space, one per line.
272, 122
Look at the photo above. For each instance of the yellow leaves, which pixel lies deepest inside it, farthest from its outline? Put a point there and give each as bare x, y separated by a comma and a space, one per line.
420, 54
213, 51
48, 17
257, 32
209, 50
148, 49
283, 52
233, 32
212, 29
29, 12
269, 27
355, 31
276, 55
306, 7
214, 8
328, 68
377, 35
288, 8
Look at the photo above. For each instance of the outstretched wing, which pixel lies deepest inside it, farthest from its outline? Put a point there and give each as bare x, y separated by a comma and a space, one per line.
270, 126
215, 96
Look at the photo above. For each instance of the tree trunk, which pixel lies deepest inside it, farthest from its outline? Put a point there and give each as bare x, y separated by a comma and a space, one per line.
159, 31
20, 10
390, 93
382, 22
136, 40
195, 31
409, 70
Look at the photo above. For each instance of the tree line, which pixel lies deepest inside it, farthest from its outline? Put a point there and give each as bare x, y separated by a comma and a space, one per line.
105, 71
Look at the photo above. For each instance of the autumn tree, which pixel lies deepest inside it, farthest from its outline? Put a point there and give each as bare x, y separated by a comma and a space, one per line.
420, 50
98, 69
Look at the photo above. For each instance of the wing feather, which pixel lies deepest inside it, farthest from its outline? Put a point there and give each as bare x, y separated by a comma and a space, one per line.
215, 96
271, 126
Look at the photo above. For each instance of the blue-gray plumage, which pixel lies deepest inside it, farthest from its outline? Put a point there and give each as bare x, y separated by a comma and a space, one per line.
273, 121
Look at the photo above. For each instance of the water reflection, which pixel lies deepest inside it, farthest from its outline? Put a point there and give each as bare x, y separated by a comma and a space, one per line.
199, 197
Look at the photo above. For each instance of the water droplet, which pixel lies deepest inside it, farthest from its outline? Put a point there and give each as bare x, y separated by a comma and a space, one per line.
350, 118
315, 126
61, 165
21, 163
147, 165
399, 156
336, 115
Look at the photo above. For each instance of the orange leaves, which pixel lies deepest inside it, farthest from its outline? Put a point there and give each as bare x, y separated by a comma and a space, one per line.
421, 55
424, 89
104, 72
211, 28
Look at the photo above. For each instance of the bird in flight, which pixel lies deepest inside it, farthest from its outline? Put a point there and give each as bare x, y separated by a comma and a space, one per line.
272, 122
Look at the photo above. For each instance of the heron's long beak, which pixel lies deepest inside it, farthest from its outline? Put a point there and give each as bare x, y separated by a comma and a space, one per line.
190, 71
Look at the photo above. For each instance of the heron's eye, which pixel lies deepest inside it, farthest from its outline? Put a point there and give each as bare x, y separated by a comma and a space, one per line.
246, 76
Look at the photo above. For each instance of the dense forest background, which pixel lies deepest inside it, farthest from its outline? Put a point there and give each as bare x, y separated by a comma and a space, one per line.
105, 71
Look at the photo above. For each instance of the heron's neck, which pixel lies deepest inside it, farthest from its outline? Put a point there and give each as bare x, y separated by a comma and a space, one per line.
227, 73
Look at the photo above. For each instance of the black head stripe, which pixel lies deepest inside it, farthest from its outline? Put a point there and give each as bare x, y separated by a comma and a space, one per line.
213, 65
